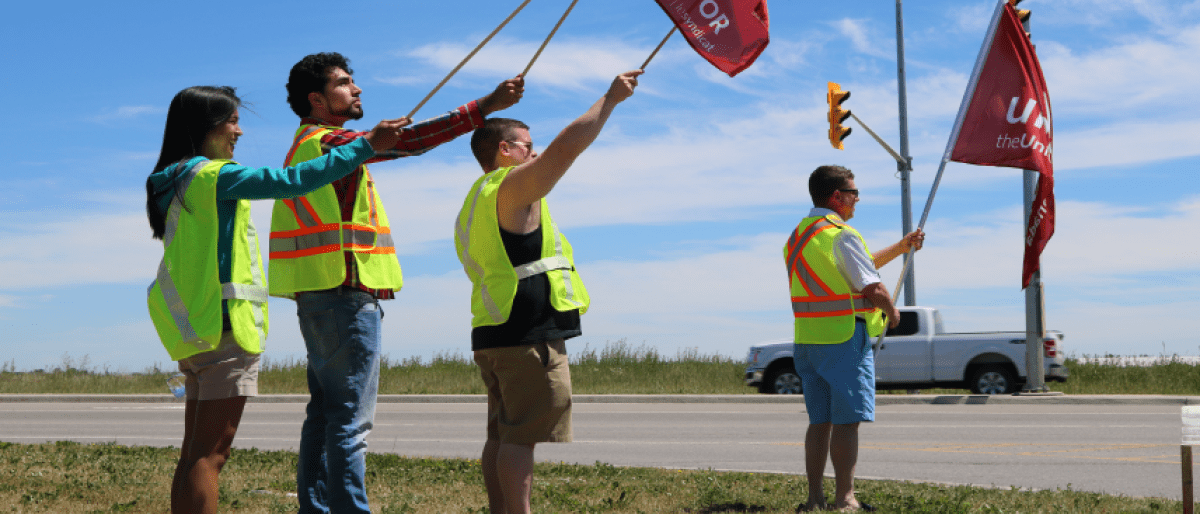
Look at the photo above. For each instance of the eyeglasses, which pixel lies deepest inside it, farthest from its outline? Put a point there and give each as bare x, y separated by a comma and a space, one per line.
527, 144
851, 191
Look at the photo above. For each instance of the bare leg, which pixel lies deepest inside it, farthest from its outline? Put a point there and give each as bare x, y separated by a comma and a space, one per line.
514, 464
843, 451
491, 476
816, 451
209, 428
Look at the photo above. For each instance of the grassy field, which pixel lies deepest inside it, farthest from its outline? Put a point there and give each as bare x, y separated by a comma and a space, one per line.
67, 477
618, 368
71, 478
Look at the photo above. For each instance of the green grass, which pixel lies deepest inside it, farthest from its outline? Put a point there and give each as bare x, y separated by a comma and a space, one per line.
618, 368
67, 478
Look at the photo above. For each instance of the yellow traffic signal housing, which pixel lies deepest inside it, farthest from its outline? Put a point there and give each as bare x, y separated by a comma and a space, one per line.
837, 115
1022, 14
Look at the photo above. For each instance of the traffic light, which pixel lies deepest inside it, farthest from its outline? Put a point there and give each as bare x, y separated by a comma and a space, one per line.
837, 115
1022, 14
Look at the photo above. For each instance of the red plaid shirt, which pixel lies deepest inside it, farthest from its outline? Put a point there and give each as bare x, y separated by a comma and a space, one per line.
414, 140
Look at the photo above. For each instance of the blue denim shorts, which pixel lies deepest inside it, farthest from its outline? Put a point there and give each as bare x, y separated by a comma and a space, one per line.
839, 379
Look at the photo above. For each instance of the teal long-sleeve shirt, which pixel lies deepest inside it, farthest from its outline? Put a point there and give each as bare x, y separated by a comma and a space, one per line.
237, 182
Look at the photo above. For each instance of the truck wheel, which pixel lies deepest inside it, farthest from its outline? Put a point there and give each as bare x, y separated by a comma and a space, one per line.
992, 379
782, 380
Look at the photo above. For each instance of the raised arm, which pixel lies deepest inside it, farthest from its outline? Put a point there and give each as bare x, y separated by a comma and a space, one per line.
535, 179
912, 240
237, 182
507, 94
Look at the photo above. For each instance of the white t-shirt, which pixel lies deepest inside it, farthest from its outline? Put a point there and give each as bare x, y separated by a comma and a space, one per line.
853, 261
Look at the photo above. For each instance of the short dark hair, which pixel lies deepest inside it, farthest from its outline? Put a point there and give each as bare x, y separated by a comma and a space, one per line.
194, 112
485, 142
825, 180
310, 75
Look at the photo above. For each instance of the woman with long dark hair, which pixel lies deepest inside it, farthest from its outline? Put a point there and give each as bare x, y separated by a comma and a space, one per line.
209, 297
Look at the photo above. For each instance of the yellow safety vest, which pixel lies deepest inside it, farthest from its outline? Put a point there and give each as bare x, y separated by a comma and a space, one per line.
493, 276
308, 236
822, 301
185, 298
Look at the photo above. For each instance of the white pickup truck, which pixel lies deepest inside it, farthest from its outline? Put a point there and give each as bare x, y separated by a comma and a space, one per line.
920, 354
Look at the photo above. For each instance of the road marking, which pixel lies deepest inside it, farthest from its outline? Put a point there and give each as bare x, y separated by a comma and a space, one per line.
1059, 451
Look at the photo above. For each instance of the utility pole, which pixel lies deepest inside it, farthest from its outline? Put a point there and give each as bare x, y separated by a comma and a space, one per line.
1035, 302
904, 165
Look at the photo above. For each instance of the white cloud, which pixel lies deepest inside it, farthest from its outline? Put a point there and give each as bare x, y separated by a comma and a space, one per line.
127, 112
858, 32
1137, 75
580, 64
89, 249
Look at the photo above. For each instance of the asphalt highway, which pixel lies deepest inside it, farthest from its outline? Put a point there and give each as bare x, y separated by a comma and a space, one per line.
1126, 445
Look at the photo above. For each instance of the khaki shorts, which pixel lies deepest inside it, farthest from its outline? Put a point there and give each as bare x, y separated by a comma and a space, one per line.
529, 392
225, 372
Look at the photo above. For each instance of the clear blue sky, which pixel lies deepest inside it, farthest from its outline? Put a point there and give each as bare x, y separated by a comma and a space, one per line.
678, 213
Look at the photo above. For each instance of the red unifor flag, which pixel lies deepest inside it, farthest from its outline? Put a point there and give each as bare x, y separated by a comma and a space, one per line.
1005, 121
728, 33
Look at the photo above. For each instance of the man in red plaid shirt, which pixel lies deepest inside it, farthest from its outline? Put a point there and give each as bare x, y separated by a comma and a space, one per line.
332, 251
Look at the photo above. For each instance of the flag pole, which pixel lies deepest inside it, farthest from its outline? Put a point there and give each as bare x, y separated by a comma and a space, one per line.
467, 58
547, 41
958, 122
660, 45
909, 255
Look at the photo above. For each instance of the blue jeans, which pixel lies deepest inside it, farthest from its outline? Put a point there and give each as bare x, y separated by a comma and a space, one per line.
341, 330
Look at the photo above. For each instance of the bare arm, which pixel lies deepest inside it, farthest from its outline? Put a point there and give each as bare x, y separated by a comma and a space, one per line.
507, 94
532, 181
912, 240
878, 294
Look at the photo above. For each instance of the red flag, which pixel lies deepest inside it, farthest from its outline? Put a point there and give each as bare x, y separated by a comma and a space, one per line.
1005, 121
728, 33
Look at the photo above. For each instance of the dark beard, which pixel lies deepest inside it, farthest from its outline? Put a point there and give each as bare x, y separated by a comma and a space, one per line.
349, 113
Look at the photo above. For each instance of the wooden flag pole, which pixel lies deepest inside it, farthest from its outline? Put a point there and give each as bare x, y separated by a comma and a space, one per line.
467, 58
547, 41
656, 49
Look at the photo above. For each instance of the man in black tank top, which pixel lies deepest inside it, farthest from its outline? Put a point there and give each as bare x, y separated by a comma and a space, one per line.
523, 360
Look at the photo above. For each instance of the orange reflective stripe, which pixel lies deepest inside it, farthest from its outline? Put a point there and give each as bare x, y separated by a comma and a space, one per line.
307, 134
373, 215
809, 280
304, 231
313, 218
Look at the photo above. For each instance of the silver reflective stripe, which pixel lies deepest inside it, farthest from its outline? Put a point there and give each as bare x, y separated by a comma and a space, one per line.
830, 306
796, 245
260, 283
305, 242
303, 216
530, 269
235, 291
178, 310
358, 237
173, 212
558, 252
384, 241
463, 233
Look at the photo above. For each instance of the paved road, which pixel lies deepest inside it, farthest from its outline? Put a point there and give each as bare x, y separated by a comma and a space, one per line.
1129, 447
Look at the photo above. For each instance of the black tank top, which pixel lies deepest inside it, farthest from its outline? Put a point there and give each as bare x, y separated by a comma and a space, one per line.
533, 319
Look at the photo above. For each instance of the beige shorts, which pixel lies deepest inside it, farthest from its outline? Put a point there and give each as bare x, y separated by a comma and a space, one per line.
529, 392
225, 372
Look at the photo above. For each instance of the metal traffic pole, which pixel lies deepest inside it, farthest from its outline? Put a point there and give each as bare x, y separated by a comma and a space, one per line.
904, 163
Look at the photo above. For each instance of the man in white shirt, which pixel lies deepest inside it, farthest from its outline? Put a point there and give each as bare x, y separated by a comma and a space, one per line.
838, 300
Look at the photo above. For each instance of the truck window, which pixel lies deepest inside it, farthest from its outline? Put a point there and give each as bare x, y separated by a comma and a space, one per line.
907, 327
